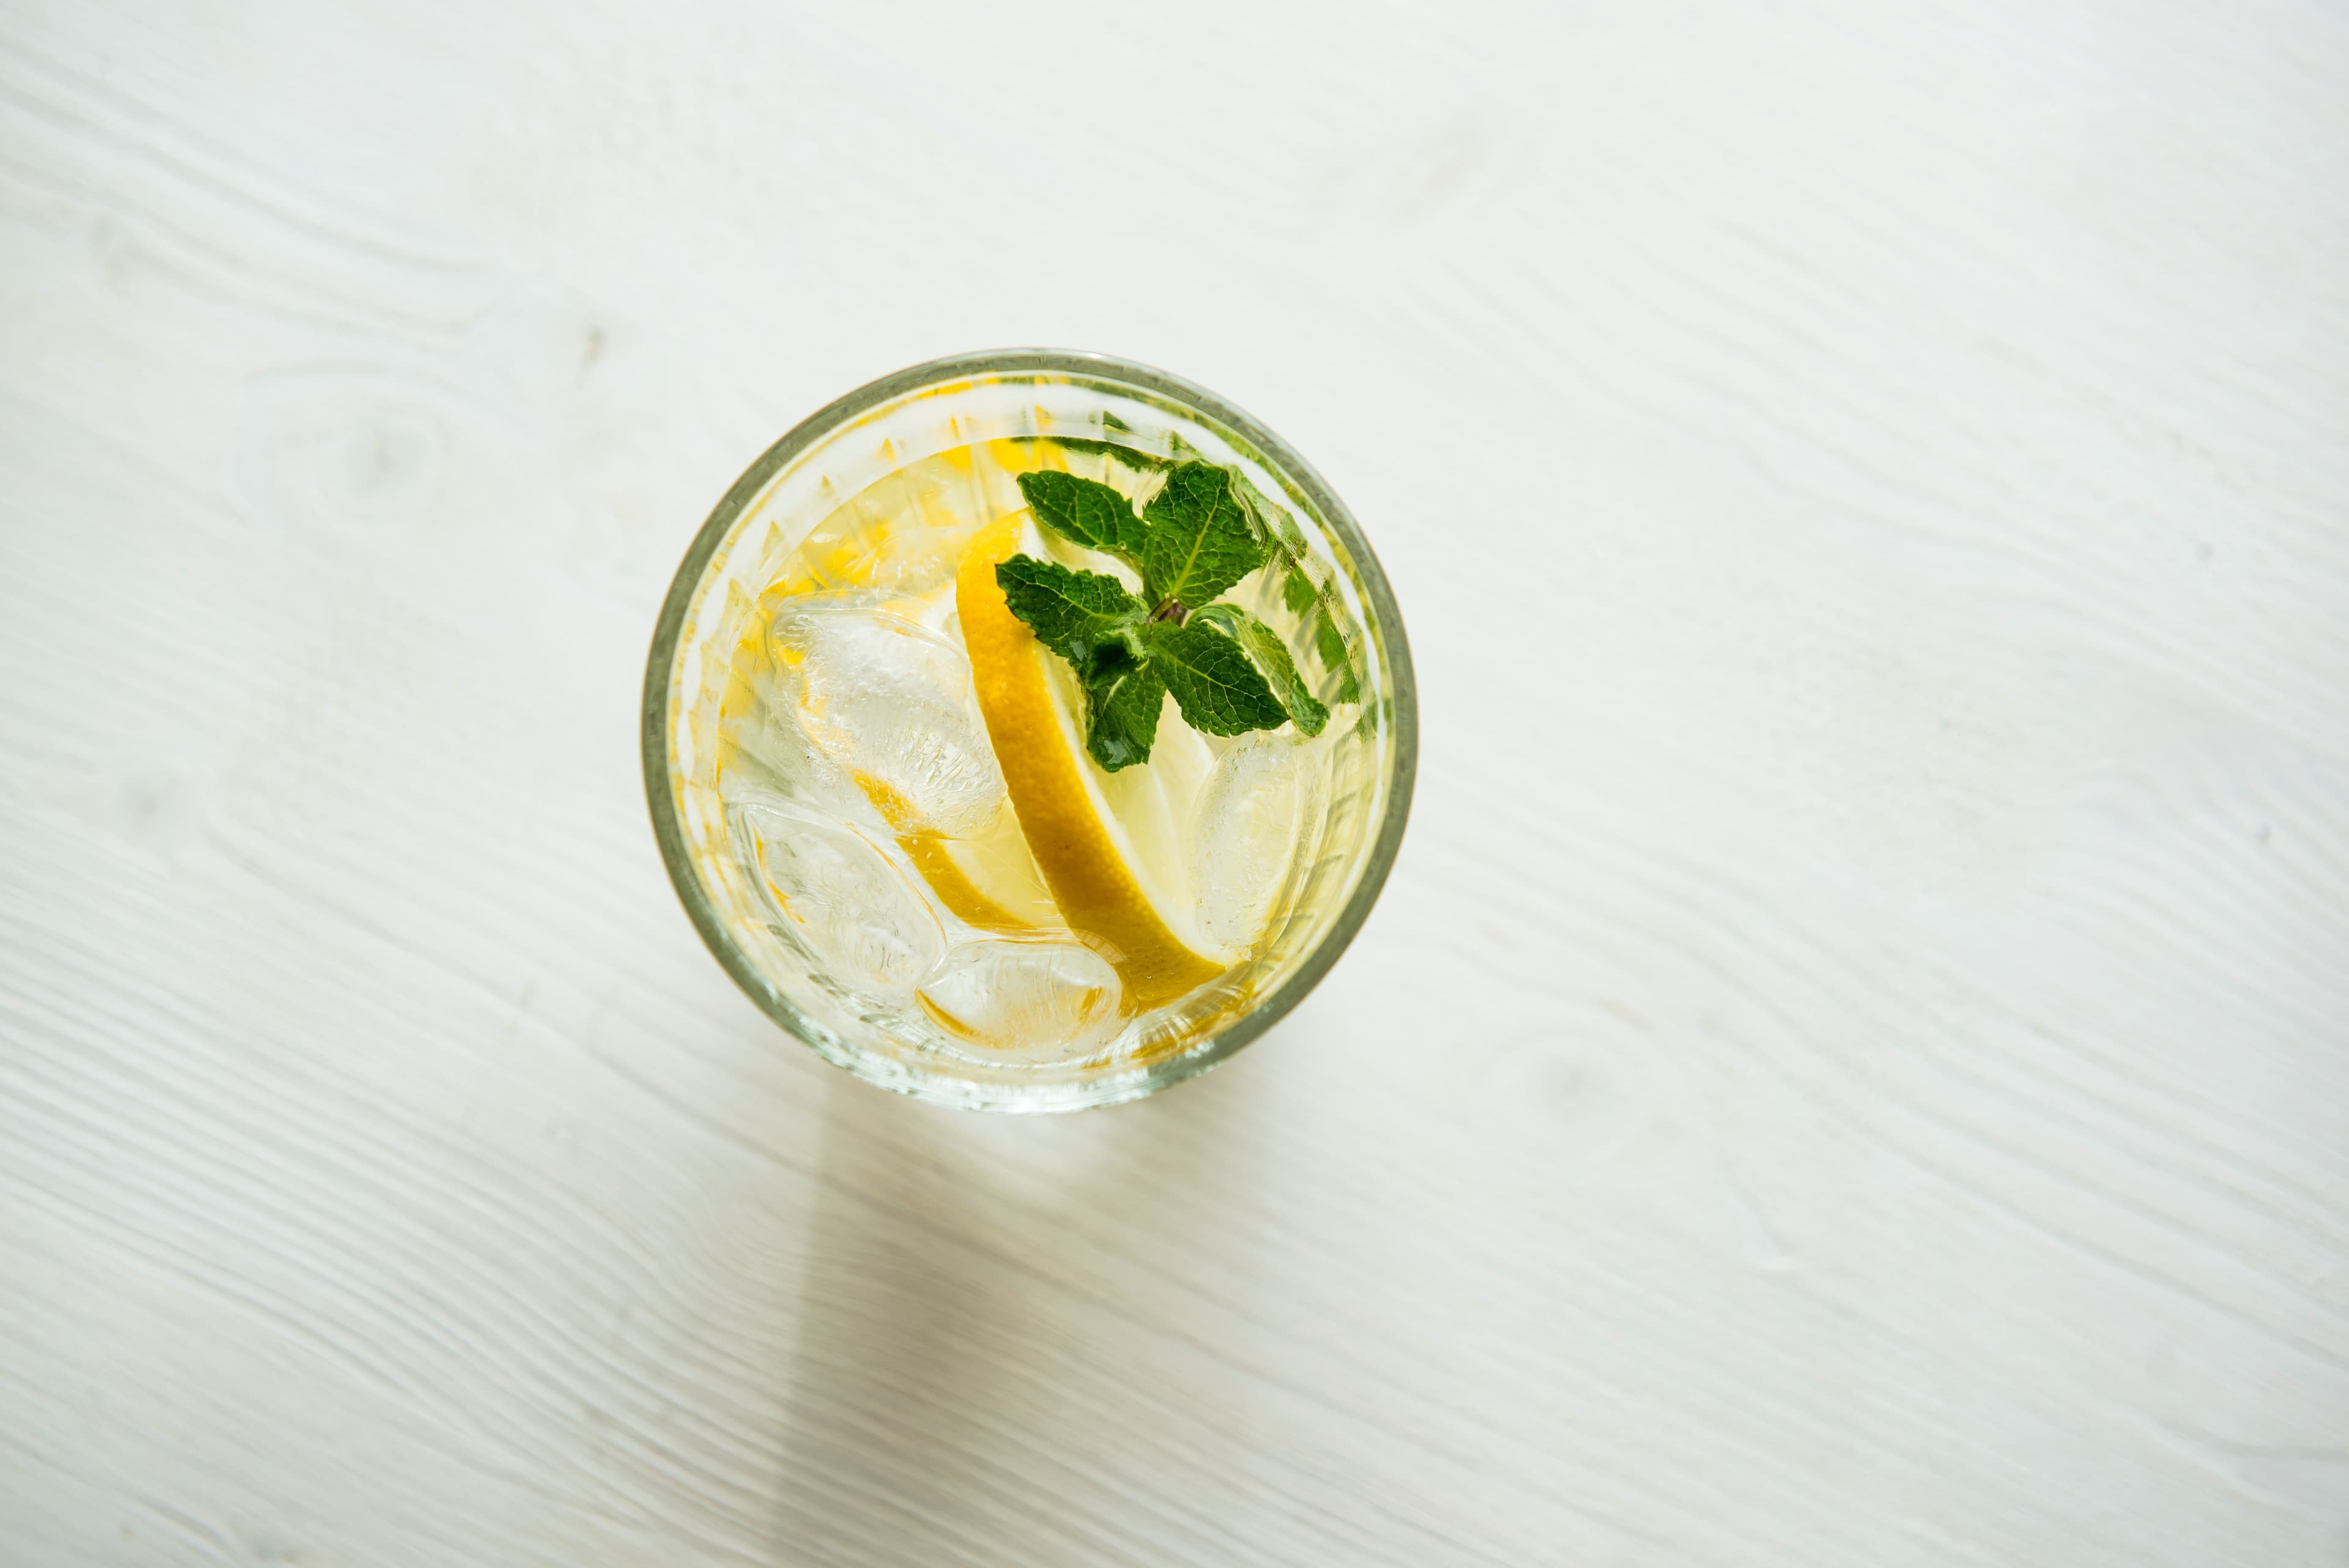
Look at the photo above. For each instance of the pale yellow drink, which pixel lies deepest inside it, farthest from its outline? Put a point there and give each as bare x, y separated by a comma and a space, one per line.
907, 785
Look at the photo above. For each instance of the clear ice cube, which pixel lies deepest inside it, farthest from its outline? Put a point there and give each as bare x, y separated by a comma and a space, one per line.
857, 915
890, 702
771, 758
1025, 999
1254, 808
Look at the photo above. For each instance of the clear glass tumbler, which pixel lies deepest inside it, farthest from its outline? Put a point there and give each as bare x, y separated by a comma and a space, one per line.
863, 439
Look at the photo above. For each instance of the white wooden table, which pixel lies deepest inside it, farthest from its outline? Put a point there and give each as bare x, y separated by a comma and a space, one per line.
1852, 1067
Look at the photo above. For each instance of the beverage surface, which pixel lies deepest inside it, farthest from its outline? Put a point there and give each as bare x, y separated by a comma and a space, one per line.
1013, 795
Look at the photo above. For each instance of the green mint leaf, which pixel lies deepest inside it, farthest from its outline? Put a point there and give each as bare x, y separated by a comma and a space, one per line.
1264, 649
1134, 457
1218, 690
1140, 461
1317, 607
1319, 623
1200, 540
1330, 645
1077, 615
1122, 700
1086, 511
1275, 525
1173, 439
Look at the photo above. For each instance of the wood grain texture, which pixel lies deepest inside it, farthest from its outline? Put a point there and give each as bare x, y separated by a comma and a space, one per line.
1852, 1067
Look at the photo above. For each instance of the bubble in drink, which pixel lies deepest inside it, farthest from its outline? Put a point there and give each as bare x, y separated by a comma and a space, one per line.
1252, 811
891, 703
1025, 1000
842, 899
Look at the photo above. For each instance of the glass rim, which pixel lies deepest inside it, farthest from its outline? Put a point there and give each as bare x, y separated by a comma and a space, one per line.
1268, 1010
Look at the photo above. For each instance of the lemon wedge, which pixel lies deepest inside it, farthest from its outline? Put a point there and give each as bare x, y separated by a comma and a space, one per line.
1105, 844
990, 880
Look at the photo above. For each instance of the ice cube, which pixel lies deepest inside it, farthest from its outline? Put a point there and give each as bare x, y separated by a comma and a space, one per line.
1255, 808
841, 898
1025, 999
891, 703
769, 757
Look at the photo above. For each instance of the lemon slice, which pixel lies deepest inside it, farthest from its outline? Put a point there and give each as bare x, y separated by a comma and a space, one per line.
989, 880
1103, 842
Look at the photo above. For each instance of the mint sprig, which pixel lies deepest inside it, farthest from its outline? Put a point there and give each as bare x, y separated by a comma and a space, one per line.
1228, 672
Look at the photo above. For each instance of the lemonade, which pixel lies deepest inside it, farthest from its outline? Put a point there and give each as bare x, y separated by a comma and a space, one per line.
1033, 747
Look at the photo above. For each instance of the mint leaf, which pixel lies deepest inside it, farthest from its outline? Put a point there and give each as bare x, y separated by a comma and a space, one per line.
1140, 461
1217, 689
1316, 607
1275, 524
1264, 649
1329, 643
1087, 511
1077, 615
1134, 457
1200, 541
1123, 702
1320, 623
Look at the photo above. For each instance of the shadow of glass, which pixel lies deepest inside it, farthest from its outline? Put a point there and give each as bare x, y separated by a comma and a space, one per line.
980, 1297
